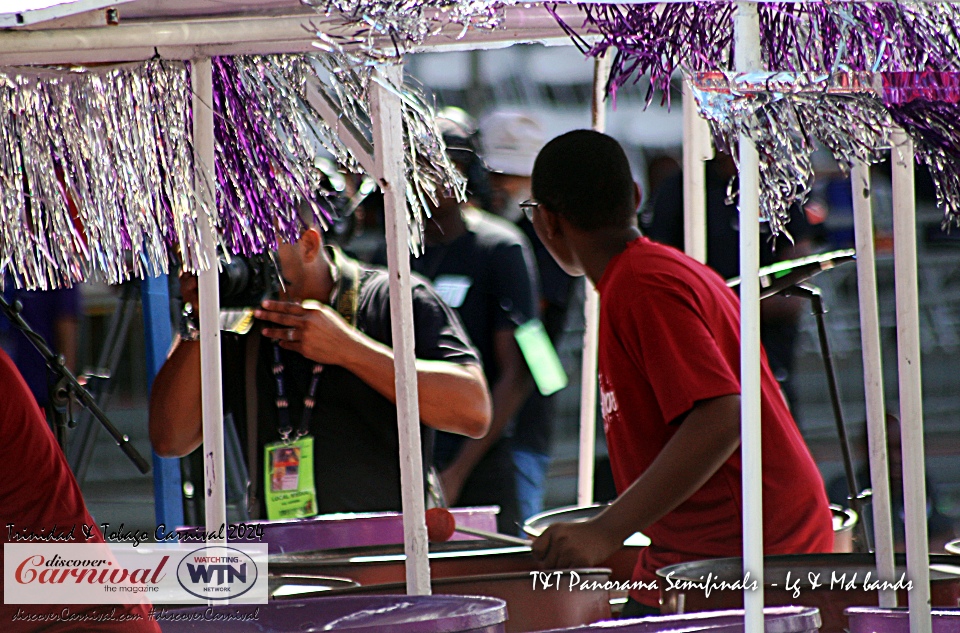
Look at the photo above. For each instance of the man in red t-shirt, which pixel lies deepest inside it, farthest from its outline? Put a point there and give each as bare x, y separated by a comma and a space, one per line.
669, 384
38, 494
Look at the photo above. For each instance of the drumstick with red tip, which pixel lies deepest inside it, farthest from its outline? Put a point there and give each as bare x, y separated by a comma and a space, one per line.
441, 525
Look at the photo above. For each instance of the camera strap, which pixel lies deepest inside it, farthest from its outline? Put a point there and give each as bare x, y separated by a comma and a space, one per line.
347, 292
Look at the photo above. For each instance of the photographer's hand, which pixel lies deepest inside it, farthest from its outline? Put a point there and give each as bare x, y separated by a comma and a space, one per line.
452, 397
317, 331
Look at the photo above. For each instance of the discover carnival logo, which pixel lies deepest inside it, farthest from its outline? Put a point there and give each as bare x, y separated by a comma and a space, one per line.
101, 573
217, 572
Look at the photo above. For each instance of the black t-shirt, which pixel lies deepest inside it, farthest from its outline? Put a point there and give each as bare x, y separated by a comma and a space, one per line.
356, 441
534, 427
488, 275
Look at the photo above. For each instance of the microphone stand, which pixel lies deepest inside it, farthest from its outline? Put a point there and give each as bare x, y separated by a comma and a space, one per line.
813, 293
67, 385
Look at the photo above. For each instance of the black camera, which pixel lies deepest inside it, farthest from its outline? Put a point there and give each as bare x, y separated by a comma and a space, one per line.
246, 281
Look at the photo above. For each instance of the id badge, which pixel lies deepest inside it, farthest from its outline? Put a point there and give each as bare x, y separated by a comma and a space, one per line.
288, 479
541, 357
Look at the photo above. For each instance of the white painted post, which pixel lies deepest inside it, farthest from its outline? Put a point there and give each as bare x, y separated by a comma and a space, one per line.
873, 379
588, 397
209, 291
591, 320
747, 51
389, 159
696, 149
911, 405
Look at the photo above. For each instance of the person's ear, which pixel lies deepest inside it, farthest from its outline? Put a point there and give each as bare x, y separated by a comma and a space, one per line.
637, 195
311, 244
551, 221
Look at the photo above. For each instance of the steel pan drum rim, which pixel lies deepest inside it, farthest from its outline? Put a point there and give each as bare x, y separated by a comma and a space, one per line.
531, 526
365, 555
341, 516
898, 612
850, 517
953, 547
940, 563
307, 579
485, 611
450, 580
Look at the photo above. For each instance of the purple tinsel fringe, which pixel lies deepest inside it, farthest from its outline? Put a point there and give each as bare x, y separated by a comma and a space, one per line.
926, 106
798, 37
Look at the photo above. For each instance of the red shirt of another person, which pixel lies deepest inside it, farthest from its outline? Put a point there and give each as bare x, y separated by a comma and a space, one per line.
37, 493
670, 337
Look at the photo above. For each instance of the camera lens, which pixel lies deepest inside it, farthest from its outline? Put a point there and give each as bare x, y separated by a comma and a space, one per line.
246, 280
234, 278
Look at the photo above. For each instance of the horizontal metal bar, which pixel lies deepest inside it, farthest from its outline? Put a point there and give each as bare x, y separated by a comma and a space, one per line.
133, 40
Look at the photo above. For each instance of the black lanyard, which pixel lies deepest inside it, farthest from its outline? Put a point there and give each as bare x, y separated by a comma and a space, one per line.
283, 405
346, 273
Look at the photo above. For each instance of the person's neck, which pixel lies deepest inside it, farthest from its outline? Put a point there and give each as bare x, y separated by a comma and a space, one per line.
321, 289
597, 248
445, 226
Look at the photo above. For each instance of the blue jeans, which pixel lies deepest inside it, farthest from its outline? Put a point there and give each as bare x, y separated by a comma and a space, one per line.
531, 471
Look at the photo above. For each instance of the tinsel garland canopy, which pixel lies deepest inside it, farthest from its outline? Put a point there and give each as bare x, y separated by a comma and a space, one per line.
97, 163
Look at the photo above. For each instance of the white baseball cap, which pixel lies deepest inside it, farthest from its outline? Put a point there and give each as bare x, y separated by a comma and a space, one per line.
511, 141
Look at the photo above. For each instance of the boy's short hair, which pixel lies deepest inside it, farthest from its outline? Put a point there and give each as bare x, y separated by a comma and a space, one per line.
585, 176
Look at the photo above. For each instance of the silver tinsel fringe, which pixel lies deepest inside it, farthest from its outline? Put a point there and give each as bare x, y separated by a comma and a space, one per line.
783, 113
97, 167
95, 170
429, 170
386, 29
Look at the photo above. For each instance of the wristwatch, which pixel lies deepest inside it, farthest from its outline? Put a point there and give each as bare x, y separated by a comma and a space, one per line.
189, 328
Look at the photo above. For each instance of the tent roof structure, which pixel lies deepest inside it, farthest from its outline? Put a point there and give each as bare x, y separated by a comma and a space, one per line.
183, 29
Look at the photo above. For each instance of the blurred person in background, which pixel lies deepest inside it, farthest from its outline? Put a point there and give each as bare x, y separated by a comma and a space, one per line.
483, 267
510, 143
54, 315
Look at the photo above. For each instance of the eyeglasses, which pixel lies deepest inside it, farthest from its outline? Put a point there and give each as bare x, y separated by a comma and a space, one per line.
528, 206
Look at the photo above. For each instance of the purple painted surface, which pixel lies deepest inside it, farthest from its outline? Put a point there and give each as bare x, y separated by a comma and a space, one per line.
336, 531
357, 614
881, 620
777, 620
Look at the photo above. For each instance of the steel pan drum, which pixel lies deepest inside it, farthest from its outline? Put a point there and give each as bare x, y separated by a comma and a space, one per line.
294, 585
621, 563
357, 614
777, 620
843, 579
377, 565
333, 531
844, 520
879, 620
531, 607
953, 547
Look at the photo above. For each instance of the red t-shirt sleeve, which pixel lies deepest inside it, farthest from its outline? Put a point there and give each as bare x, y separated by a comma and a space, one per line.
671, 340
37, 493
